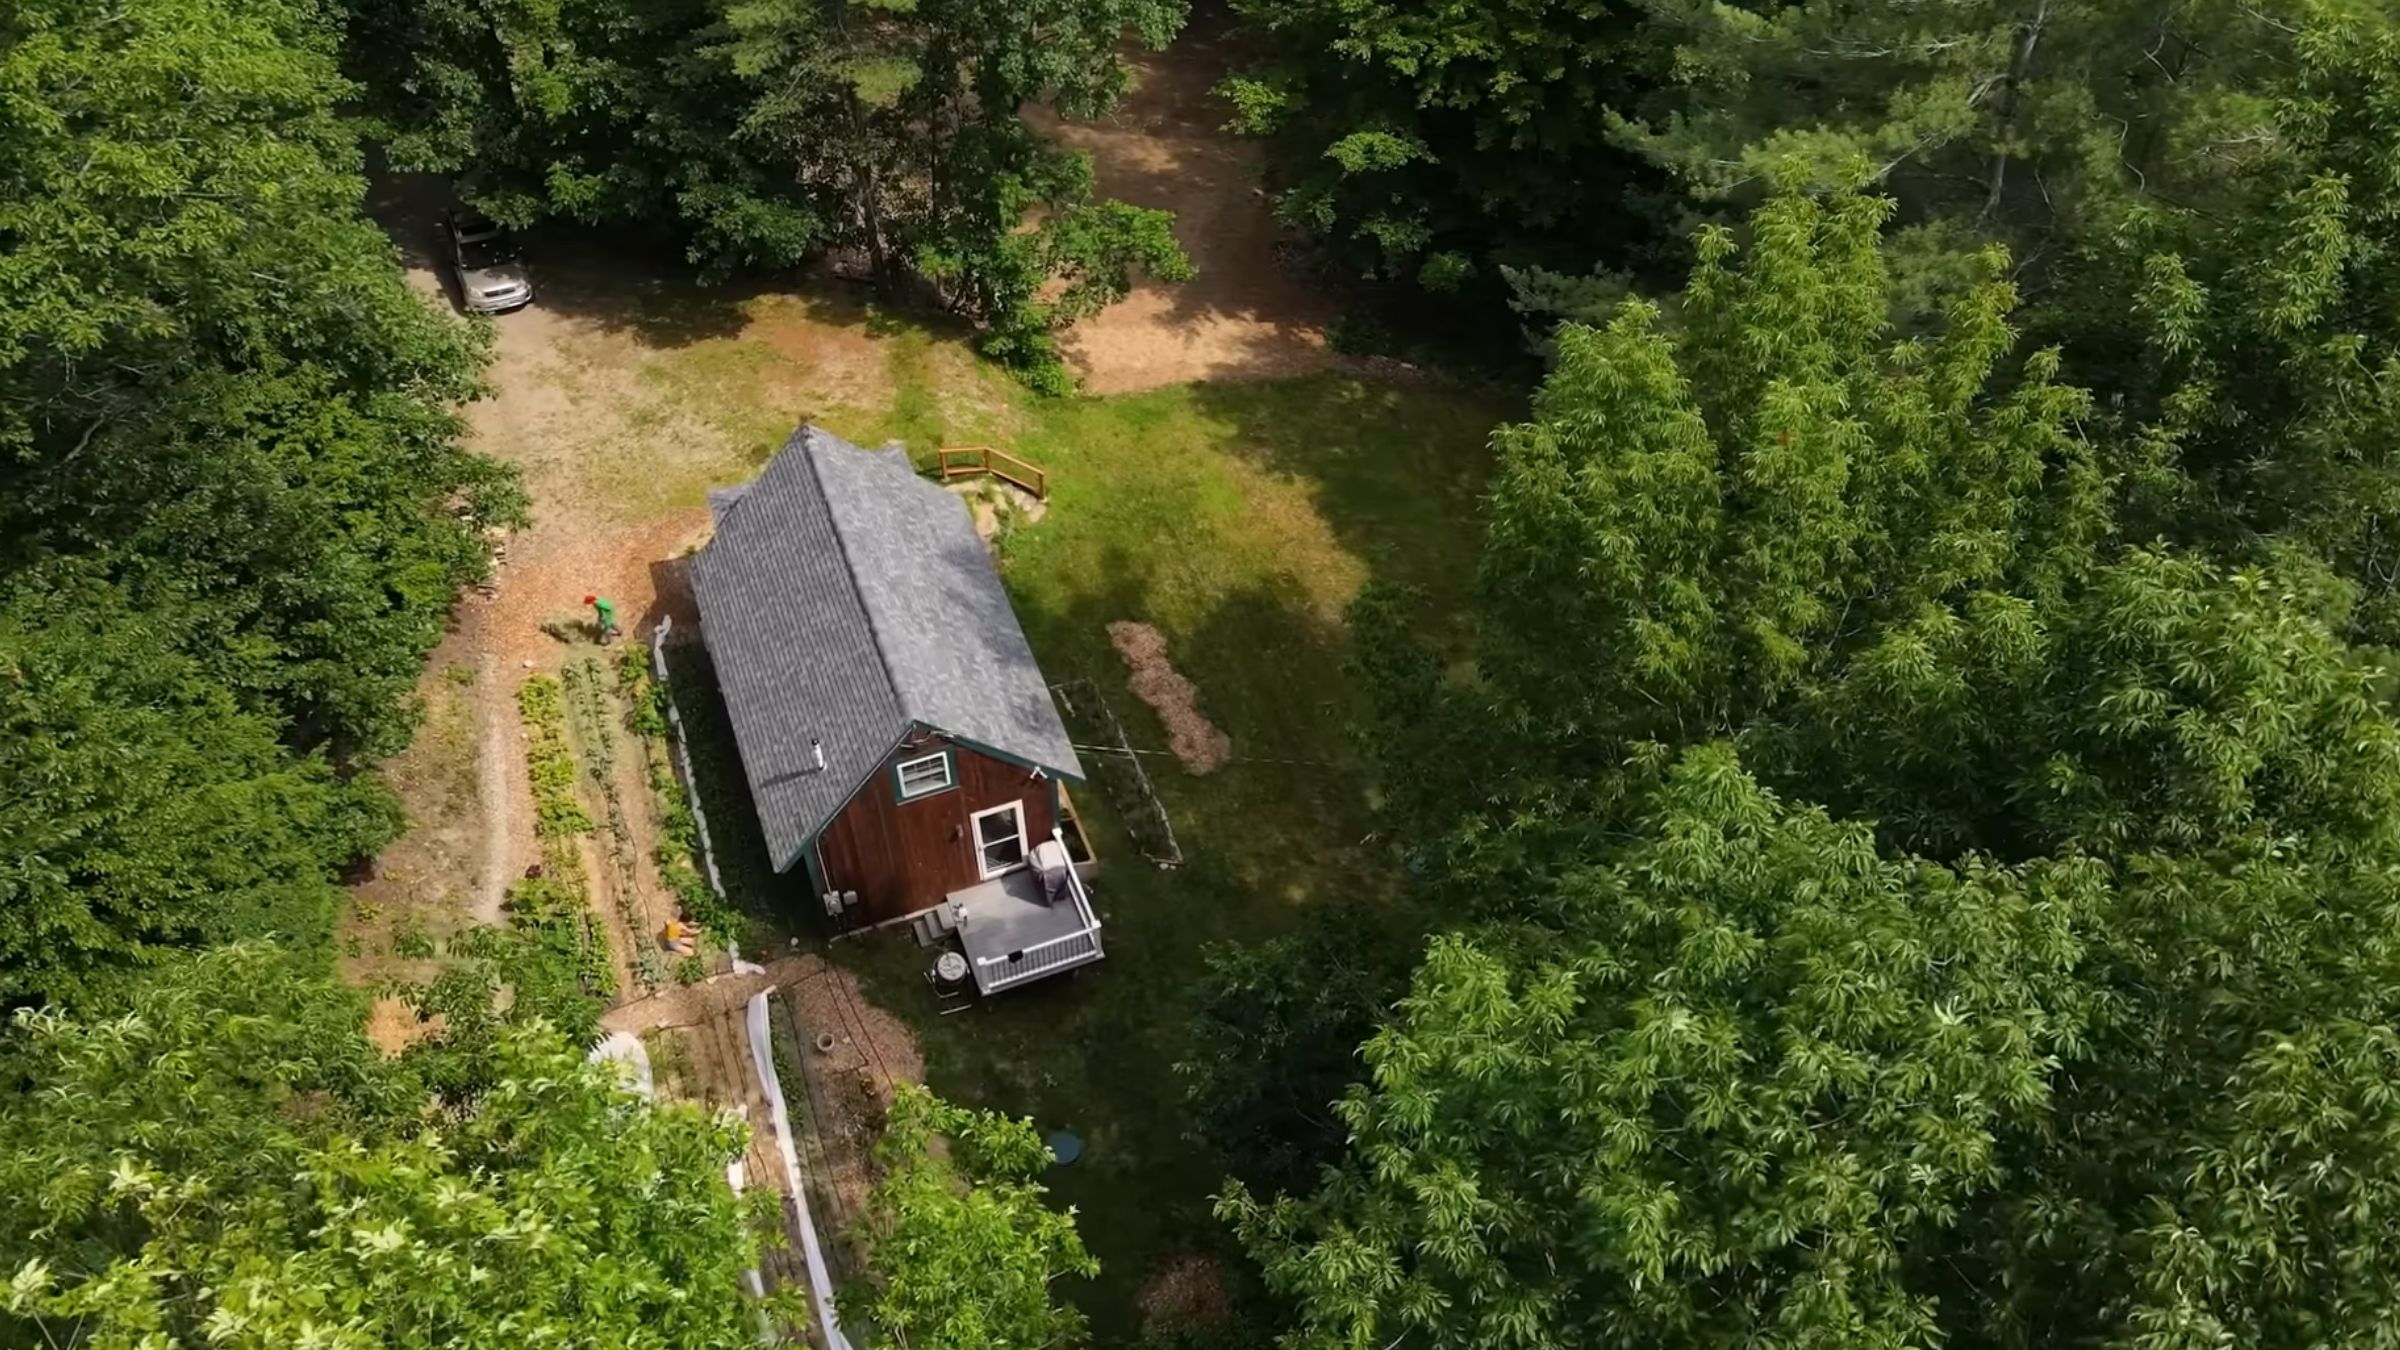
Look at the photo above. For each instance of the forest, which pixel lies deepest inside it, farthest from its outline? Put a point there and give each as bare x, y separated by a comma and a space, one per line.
1925, 869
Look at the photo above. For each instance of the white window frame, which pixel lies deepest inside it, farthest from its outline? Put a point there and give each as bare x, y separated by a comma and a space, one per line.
900, 787
1024, 839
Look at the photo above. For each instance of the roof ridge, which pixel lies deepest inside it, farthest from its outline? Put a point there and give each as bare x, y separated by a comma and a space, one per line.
719, 522
813, 435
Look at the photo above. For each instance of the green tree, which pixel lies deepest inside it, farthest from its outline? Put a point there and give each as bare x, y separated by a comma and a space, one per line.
1769, 517
1701, 515
582, 111
1276, 1030
2039, 117
230, 1161
910, 114
2200, 197
961, 1251
143, 810
1917, 612
234, 506
1578, 1128
769, 132
213, 378
2241, 316
2161, 704
2216, 1156
1716, 1106
1442, 142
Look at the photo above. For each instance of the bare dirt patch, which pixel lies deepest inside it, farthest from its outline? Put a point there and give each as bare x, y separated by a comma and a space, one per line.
393, 1025
848, 1059
1244, 316
1196, 741
1189, 1292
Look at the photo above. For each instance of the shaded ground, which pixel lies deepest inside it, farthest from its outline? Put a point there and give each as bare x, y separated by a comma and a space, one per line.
1244, 316
1239, 520
844, 1059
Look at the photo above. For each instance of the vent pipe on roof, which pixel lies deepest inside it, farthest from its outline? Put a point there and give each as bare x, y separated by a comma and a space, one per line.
816, 749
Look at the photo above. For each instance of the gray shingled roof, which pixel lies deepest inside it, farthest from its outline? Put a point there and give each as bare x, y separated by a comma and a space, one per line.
845, 600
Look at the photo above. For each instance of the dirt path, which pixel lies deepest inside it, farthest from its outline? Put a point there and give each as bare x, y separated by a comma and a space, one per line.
1244, 316
495, 740
851, 1058
580, 543
683, 1005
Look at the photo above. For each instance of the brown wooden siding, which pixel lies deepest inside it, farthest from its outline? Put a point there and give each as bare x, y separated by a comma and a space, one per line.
902, 857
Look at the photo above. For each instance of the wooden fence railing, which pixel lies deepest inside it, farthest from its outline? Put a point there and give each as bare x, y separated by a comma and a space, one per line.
966, 461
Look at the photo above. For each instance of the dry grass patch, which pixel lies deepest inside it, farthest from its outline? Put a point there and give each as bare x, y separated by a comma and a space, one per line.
400, 918
1198, 745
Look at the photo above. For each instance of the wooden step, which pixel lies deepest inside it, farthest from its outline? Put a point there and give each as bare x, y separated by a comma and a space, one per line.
934, 925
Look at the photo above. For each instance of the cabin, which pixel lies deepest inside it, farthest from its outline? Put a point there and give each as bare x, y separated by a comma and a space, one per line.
901, 745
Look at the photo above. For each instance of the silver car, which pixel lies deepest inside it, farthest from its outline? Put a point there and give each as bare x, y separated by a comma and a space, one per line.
491, 277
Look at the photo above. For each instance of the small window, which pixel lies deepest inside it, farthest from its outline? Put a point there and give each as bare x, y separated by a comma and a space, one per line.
924, 776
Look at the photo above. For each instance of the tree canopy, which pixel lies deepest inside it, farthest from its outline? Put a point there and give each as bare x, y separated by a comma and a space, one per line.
234, 506
1438, 143
1698, 516
961, 1251
1808, 636
148, 812
1718, 1109
229, 1160
212, 376
765, 134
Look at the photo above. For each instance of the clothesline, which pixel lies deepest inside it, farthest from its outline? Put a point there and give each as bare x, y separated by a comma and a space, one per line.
1234, 759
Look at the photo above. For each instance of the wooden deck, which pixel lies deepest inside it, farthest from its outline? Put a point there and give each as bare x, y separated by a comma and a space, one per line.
1012, 937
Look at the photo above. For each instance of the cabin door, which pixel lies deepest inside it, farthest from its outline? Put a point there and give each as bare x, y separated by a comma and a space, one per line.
1000, 839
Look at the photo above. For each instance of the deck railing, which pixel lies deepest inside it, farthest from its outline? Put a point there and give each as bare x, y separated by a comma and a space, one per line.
1034, 962
996, 973
966, 461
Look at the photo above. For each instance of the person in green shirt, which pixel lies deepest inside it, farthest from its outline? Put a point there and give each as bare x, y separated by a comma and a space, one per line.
607, 615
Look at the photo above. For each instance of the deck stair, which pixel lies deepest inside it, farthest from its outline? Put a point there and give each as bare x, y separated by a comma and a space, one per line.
934, 926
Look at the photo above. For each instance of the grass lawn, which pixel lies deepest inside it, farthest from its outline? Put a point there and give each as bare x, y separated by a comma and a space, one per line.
1238, 519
